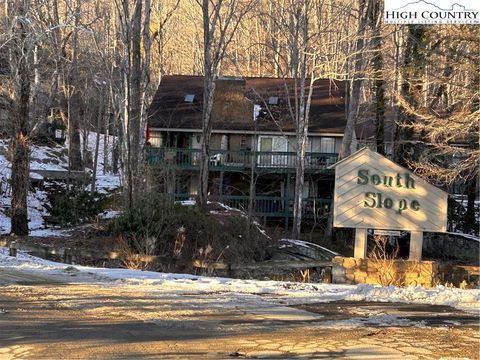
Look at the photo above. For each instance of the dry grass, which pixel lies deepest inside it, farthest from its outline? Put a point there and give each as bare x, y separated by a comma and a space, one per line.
137, 255
390, 269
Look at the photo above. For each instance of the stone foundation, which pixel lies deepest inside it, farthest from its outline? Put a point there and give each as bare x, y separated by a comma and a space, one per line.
384, 272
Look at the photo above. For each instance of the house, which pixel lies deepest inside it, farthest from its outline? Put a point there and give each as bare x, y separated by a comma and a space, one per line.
252, 134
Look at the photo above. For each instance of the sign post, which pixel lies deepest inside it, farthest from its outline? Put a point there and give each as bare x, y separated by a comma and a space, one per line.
416, 242
360, 250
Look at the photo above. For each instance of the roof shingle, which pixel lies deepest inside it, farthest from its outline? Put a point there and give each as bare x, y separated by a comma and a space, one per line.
234, 101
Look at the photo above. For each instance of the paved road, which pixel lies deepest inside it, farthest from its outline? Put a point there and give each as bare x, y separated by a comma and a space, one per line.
45, 319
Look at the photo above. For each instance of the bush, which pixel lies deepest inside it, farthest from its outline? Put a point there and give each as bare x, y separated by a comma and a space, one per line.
384, 258
76, 206
157, 226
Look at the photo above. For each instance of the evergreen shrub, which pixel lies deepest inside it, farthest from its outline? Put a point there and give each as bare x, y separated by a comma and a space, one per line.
77, 206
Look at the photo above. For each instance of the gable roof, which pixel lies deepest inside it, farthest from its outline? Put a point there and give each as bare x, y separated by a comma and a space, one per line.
234, 102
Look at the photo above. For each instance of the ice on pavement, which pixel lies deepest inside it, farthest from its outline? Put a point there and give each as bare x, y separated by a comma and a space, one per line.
274, 292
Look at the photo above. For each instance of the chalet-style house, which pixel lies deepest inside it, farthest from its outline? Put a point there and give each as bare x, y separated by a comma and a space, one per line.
253, 133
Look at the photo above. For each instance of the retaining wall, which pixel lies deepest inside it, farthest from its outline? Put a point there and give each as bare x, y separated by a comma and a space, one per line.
387, 272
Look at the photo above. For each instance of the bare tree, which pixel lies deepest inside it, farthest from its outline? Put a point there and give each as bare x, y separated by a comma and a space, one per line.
356, 79
375, 19
162, 13
72, 95
136, 72
21, 46
220, 22
299, 67
298, 51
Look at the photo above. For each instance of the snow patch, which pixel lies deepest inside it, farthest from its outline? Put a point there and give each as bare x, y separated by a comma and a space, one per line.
50, 158
273, 292
307, 245
110, 214
381, 320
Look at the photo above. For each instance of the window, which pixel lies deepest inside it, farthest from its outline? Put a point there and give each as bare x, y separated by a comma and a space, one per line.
269, 144
327, 145
155, 139
266, 143
243, 143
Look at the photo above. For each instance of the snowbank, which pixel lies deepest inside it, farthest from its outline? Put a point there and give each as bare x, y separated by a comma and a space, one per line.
276, 293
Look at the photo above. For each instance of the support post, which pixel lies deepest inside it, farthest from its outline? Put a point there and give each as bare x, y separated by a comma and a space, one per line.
286, 205
220, 186
416, 243
67, 256
360, 243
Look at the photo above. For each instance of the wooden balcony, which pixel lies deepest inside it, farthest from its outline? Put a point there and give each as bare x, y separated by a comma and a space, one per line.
236, 160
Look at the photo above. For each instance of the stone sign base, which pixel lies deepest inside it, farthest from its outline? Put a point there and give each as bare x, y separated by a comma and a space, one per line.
384, 272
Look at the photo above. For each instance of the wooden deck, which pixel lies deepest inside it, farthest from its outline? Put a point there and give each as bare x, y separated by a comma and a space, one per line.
236, 160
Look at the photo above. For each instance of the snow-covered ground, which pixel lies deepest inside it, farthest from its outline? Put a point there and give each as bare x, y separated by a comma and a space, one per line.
106, 181
276, 293
53, 158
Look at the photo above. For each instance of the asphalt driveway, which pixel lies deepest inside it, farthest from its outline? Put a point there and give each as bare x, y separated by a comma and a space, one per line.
45, 319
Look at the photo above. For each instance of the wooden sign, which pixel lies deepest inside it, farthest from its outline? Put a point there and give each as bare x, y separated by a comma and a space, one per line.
373, 192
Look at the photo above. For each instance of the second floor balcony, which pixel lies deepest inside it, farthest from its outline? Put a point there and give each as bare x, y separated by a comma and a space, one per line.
238, 160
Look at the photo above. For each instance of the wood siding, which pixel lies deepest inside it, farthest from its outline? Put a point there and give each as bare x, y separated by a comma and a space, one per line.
353, 207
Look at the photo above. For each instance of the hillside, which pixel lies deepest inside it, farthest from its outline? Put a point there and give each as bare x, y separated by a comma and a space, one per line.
51, 159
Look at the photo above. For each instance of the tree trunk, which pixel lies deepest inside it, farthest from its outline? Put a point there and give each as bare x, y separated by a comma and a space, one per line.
470, 218
302, 138
355, 83
145, 86
379, 81
220, 22
354, 96
411, 90
209, 91
253, 166
302, 114
135, 103
74, 101
20, 141
97, 144
74, 132
106, 142
299, 183
135, 75
208, 95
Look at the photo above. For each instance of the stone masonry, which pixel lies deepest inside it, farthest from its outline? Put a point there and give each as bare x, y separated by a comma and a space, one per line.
384, 272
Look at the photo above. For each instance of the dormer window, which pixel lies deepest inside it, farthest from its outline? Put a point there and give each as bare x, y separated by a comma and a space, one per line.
189, 98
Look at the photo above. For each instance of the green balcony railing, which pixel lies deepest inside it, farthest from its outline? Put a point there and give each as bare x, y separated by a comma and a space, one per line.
271, 206
238, 160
